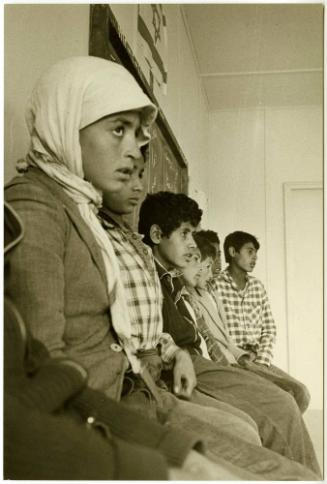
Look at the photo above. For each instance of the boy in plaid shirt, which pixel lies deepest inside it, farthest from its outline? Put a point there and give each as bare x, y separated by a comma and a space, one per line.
249, 318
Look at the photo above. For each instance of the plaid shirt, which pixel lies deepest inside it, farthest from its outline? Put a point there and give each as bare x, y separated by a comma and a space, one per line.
142, 285
249, 318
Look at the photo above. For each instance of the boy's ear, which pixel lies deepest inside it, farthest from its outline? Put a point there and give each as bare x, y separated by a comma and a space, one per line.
231, 251
155, 234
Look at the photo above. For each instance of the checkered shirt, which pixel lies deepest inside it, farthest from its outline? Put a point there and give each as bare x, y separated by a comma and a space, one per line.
249, 318
143, 290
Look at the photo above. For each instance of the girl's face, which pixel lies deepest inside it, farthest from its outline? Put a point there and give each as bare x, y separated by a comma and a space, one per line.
109, 148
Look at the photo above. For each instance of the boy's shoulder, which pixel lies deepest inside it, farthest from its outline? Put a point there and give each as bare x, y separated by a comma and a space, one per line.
255, 283
224, 280
224, 277
112, 220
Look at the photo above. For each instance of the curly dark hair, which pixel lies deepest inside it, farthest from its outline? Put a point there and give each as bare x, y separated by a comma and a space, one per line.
237, 240
168, 210
204, 245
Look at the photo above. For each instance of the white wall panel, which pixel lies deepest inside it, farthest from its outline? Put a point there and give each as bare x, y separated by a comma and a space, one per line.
36, 36
252, 153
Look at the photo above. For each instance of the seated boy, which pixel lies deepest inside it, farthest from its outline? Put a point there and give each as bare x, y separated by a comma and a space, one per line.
249, 318
248, 314
168, 222
140, 280
212, 311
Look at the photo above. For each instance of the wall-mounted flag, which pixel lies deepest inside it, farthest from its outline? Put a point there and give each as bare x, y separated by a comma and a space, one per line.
152, 45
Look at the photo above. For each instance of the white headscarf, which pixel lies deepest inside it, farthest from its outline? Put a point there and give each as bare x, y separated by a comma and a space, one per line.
71, 95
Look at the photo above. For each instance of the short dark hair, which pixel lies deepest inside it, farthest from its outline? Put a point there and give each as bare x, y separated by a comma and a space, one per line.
168, 210
211, 236
204, 245
237, 240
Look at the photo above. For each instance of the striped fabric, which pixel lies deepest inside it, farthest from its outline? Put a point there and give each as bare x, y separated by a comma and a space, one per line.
249, 318
212, 346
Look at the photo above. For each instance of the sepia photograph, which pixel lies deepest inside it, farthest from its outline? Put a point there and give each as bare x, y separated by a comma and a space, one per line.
163, 241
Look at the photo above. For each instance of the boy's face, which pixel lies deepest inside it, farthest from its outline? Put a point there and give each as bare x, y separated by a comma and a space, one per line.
174, 251
109, 147
216, 266
192, 270
125, 200
246, 258
205, 272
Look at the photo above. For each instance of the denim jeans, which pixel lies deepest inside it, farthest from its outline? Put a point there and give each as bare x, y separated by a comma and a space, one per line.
249, 461
275, 411
262, 463
285, 381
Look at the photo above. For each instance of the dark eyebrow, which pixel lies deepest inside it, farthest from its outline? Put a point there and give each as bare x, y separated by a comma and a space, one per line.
121, 118
125, 122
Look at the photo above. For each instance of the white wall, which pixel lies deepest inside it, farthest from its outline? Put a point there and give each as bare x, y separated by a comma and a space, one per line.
36, 36
304, 284
293, 153
252, 153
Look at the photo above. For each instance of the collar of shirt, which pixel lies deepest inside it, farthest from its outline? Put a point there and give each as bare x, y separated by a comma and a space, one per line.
212, 284
163, 272
165, 276
183, 292
114, 224
171, 279
228, 278
111, 220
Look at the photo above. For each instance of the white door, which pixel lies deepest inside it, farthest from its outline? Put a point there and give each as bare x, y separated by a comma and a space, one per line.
304, 282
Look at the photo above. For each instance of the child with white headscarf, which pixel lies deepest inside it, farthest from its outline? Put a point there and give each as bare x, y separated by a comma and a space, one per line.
70, 96
87, 118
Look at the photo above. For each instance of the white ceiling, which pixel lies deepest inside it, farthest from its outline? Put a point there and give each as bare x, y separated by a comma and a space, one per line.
253, 55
